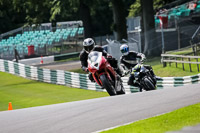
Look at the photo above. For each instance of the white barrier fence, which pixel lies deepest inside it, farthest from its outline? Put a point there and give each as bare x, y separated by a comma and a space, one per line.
81, 80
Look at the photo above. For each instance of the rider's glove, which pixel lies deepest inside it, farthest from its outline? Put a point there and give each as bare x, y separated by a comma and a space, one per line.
126, 72
86, 70
143, 57
91, 77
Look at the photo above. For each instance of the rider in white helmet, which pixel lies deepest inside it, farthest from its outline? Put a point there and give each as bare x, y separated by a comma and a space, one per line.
129, 59
88, 46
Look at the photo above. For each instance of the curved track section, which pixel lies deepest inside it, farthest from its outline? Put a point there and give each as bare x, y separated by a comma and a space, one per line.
70, 65
97, 114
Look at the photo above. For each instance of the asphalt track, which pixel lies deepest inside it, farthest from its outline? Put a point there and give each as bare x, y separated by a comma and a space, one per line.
70, 65
97, 114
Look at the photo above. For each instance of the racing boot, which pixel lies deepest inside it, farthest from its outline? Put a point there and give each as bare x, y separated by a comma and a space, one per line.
119, 72
153, 77
119, 78
130, 80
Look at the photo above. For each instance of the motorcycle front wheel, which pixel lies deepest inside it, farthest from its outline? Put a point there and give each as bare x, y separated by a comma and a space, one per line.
109, 87
148, 85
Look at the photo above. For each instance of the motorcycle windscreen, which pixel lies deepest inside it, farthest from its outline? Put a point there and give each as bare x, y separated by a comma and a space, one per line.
94, 59
93, 56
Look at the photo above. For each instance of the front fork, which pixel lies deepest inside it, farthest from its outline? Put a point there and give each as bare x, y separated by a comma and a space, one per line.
95, 75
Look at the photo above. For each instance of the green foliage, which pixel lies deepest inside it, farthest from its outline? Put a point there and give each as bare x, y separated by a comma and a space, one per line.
63, 10
36, 11
55, 10
101, 14
135, 8
17, 13
9, 19
158, 4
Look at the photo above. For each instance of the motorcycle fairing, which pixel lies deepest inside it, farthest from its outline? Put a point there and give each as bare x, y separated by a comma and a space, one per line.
98, 66
94, 60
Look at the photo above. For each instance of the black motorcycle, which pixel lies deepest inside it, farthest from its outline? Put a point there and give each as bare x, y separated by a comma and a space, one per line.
143, 78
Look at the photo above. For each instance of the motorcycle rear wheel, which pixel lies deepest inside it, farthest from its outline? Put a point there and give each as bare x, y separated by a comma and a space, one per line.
109, 87
149, 85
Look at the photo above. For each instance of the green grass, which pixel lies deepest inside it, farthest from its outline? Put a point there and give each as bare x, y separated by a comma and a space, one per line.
181, 52
185, 51
24, 93
171, 71
70, 59
78, 71
172, 121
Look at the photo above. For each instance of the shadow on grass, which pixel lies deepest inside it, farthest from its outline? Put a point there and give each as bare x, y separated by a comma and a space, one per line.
21, 83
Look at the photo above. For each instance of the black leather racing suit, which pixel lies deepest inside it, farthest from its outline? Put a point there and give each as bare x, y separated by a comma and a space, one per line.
129, 61
84, 64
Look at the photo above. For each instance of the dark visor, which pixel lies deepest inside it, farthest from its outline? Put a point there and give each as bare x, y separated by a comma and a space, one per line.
124, 50
88, 48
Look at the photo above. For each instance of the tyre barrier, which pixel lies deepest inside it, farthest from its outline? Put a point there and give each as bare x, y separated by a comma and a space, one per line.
82, 81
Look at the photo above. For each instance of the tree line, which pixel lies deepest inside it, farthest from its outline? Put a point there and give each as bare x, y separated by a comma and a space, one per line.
100, 17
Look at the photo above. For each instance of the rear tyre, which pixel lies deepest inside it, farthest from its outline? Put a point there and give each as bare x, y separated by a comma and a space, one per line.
148, 85
106, 84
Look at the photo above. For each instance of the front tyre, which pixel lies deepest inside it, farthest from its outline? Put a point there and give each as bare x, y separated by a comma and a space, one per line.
109, 87
148, 85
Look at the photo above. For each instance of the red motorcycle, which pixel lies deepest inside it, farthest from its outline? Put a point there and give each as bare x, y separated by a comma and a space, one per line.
104, 74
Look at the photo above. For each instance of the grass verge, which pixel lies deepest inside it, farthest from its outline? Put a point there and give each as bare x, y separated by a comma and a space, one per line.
169, 71
70, 59
172, 121
181, 52
24, 93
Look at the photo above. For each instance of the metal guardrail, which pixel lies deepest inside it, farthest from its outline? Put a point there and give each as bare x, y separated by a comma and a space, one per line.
169, 58
11, 32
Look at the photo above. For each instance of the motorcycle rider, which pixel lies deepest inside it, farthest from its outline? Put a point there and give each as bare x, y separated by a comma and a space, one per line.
129, 59
88, 46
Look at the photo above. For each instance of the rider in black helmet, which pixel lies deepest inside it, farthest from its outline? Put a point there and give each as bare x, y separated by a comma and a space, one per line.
129, 59
88, 46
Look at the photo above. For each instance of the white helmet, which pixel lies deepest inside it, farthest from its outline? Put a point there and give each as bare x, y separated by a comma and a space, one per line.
124, 49
88, 44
